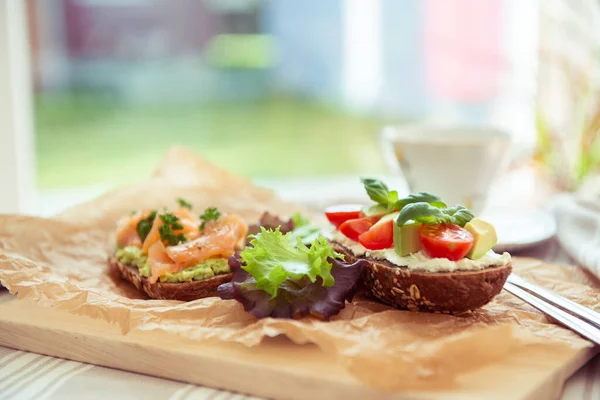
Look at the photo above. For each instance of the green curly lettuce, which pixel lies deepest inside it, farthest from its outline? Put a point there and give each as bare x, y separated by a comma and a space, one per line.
272, 259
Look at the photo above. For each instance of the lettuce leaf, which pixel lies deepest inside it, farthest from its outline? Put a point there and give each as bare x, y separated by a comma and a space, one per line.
298, 225
299, 220
306, 233
270, 221
295, 298
272, 259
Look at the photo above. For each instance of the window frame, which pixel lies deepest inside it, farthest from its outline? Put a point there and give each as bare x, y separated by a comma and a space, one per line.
17, 151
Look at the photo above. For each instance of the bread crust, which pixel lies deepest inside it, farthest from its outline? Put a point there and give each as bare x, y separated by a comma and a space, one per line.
185, 291
445, 292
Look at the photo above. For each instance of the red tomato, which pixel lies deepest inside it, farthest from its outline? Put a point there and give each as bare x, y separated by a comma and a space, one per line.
341, 213
446, 241
380, 236
354, 227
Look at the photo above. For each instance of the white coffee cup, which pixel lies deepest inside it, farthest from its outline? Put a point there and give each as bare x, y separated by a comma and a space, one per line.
459, 163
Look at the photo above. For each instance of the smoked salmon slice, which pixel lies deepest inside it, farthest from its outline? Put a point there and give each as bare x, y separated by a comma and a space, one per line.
159, 261
219, 239
189, 222
127, 234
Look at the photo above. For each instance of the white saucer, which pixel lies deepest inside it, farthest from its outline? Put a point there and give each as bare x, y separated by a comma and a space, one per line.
521, 229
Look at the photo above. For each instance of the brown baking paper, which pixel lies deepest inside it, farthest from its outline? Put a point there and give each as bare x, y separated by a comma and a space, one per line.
61, 262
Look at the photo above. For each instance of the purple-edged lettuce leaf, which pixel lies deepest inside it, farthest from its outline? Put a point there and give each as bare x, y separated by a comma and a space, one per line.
272, 222
275, 278
298, 225
294, 299
273, 258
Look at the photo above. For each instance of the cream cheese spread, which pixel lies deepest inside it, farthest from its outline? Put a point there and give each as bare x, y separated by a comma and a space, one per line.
420, 261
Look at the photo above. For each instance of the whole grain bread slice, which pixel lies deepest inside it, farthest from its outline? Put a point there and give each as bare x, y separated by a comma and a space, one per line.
445, 292
185, 291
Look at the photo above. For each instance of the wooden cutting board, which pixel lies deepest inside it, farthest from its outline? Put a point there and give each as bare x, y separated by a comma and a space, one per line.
276, 369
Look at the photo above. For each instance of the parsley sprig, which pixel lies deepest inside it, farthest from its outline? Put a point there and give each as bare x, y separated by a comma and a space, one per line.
166, 230
144, 226
210, 214
184, 204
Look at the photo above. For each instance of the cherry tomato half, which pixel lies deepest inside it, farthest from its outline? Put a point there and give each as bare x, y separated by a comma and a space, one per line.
446, 241
354, 227
341, 213
380, 236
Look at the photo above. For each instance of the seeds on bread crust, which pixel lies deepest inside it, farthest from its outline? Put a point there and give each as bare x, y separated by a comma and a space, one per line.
445, 292
185, 291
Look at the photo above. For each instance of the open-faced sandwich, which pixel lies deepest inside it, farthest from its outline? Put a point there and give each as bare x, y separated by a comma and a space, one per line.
177, 255
421, 254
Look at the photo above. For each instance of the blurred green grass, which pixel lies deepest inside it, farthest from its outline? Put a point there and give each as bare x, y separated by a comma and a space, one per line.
84, 139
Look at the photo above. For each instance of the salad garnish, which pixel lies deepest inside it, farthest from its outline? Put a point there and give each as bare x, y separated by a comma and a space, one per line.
275, 277
272, 259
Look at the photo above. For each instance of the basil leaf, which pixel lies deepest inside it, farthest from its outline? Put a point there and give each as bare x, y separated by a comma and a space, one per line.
429, 214
377, 190
392, 199
422, 212
424, 197
460, 215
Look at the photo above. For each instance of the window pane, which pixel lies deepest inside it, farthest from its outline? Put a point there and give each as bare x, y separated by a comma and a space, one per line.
267, 89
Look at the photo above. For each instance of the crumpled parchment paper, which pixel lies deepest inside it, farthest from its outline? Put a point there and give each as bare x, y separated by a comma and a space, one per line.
61, 262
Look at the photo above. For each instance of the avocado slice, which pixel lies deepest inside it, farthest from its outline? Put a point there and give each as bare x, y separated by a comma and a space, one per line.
387, 218
374, 210
485, 237
406, 238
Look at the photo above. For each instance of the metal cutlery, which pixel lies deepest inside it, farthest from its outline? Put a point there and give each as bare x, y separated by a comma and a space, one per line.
576, 317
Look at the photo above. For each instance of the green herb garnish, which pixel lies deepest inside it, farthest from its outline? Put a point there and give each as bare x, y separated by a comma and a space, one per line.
428, 214
166, 230
184, 204
377, 190
421, 197
144, 226
210, 214
379, 193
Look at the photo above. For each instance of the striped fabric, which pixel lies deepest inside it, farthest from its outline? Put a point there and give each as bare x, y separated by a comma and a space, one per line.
31, 376
25, 376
